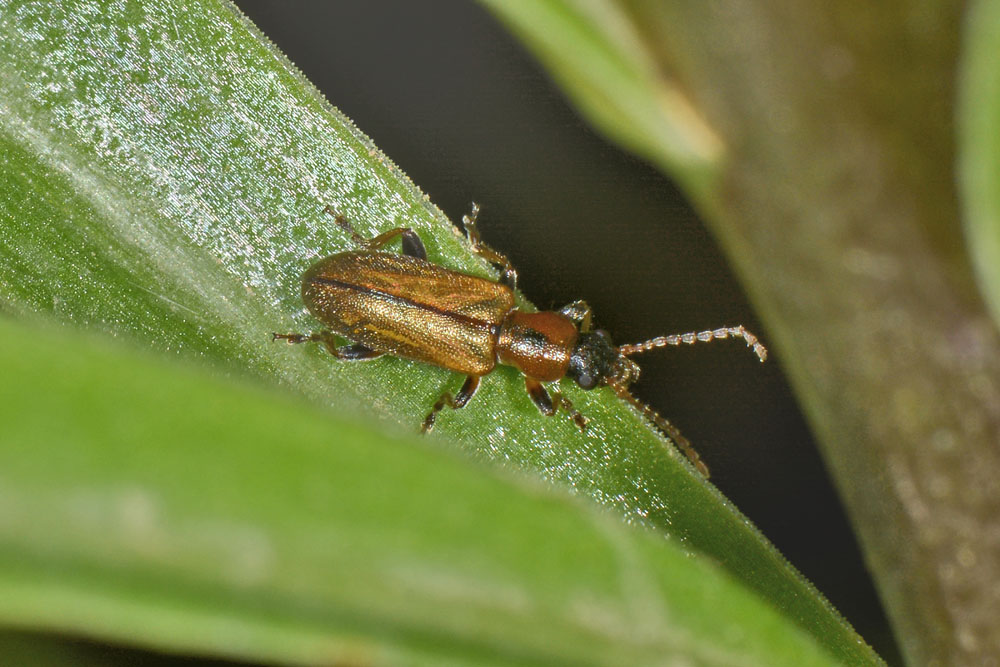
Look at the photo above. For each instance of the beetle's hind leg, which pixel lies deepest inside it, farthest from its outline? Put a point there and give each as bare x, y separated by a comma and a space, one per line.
464, 395
352, 352
548, 403
508, 275
412, 245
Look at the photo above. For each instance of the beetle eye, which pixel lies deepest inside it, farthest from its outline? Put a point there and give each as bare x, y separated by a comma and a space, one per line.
586, 381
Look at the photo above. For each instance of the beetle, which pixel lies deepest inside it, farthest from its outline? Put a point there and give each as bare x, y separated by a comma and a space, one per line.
406, 306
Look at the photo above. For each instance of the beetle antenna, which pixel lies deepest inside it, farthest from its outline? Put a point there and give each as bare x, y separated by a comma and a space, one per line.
698, 337
652, 415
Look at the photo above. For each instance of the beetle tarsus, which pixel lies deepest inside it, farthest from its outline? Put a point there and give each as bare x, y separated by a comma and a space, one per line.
508, 274
564, 403
428, 423
344, 224
293, 338
465, 394
352, 352
550, 401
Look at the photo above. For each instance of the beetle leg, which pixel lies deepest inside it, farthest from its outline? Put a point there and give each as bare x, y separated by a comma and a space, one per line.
467, 391
561, 401
344, 224
579, 312
539, 397
352, 352
508, 275
412, 245
548, 404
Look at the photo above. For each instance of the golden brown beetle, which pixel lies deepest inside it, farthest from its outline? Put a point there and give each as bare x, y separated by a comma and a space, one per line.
403, 305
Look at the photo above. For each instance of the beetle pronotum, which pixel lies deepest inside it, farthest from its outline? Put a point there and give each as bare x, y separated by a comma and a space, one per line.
403, 305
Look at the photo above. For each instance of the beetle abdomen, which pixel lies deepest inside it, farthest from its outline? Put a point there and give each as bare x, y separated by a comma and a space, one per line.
408, 307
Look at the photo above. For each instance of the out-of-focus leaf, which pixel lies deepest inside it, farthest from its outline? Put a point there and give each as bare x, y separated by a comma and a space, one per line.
979, 142
153, 503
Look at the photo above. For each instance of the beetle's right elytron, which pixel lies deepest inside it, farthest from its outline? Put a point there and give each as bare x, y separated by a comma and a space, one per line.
403, 305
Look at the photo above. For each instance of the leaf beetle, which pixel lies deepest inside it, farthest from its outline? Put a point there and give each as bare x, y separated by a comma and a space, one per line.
406, 306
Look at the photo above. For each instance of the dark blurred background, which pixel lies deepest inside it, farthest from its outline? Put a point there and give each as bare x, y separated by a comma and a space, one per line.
462, 108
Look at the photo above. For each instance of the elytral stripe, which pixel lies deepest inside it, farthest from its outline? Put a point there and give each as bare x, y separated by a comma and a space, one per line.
458, 317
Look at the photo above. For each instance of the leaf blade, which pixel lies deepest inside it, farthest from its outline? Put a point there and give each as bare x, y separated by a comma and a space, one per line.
300, 537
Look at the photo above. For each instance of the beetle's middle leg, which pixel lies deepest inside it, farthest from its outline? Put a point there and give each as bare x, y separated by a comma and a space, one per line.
508, 275
466, 393
547, 403
412, 245
352, 352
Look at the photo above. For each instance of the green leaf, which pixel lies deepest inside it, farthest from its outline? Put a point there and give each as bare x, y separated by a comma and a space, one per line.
165, 176
979, 138
131, 510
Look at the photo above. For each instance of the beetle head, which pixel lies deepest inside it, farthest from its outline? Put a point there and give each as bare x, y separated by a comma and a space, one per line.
595, 360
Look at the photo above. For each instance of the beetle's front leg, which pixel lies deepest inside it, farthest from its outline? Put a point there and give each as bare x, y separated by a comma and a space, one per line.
352, 352
579, 312
464, 395
508, 274
548, 404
